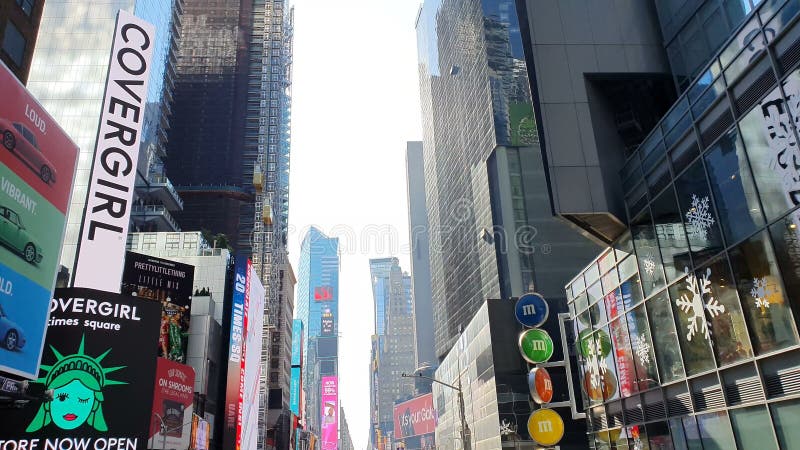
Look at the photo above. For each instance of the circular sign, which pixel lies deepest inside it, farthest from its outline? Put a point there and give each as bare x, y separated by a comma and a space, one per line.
601, 386
546, 427
597, 344
540, 385
535, 345
531, 310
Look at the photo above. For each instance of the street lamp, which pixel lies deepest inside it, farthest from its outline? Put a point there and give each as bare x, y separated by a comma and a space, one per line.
464, 430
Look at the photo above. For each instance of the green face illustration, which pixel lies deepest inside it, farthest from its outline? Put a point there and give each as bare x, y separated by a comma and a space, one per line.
77, 382
71, 405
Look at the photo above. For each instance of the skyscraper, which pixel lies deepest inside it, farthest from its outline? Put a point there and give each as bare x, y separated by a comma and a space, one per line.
68, 76
420, 255
19, 26
492, 231
318, 307
394, 349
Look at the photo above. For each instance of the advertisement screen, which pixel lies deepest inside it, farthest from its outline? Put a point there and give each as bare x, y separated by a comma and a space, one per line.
254, 331
110, 192
330, 413
294, 391
37, 167
102, 382
323, 293
297, 342
170, 284
234, 386
201, 434
172, 406
415, 417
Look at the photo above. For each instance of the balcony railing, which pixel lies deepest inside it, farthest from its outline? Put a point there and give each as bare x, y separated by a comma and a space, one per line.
157, 211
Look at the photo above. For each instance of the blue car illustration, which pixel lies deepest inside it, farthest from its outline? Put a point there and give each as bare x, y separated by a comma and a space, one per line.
10, 333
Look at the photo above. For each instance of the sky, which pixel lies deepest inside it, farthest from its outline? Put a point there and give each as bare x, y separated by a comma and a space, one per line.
355, 104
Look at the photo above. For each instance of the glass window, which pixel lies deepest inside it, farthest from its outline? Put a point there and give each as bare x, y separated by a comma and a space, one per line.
715, 430
697, 212
753, 428
786, 416
721, 303
650, 266
772, 148
658, 436
786, 238
678, 436
644, 359
691, 433
670, 233
697, 354
665, 339
734, 192
766, 307
14, 44
599, 378
626, 373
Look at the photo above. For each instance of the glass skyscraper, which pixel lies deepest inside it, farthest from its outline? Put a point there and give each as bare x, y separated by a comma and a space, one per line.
317, 305
68, 76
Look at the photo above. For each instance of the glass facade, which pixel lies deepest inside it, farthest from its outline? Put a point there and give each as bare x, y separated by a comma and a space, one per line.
706, 277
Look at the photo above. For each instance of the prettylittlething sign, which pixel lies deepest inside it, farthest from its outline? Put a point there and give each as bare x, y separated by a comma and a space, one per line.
535, 346
105, 222
531, 310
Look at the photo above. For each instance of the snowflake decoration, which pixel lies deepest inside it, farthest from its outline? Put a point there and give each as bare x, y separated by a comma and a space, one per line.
695, 305
761, 293
642, 349
507, 428
597, 364
699, 218
649, 262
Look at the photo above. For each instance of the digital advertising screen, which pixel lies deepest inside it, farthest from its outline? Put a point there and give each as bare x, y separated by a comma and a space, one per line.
295, 386
329, 427
323, 293
102, 382
327, 323
37, 168
172, 406
169, 283
254, 331
234, 387
297, 343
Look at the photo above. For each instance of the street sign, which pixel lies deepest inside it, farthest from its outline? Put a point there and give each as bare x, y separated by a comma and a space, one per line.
546, 427
540, 385
531, 310
535, 346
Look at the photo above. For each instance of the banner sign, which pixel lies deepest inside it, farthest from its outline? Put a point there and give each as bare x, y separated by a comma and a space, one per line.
201, 433
330, 413
104, 228
295, 386
172, 406
251, 359
297, 342
414, 417
170, 283
327, 323
233, 392
37, 168
102, 382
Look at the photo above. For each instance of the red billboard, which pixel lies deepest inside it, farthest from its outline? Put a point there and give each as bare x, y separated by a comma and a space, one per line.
171, 426
414, 417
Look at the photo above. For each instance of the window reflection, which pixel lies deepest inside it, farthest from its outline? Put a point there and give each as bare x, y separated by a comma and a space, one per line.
649, 256
626, 373
670, 234
697, 213
753, 428
642, 346
665, 338
697, 354
715, 431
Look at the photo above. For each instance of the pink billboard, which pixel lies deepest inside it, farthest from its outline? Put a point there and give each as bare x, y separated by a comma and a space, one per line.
414, 417
330, 411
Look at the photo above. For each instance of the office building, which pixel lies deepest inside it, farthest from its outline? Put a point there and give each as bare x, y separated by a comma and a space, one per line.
345, 441
685, 325
492, 232
68, 76
394, 340
317, 305
19, 26
420, 255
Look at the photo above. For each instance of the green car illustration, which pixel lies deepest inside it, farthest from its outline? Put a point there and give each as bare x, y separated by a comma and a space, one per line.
14, 235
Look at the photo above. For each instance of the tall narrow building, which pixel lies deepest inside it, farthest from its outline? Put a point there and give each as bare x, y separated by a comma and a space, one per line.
394, 342
318, 307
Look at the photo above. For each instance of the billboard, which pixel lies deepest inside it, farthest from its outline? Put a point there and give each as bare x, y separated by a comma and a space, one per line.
201, 434
323, 293
244, 360
169, 283
295, 386
105, 222
102, 383
172, 406
327, 323
37, 167
414, 417
330, 413
297, 343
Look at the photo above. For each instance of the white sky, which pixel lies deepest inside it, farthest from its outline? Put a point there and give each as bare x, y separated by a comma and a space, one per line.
355, 104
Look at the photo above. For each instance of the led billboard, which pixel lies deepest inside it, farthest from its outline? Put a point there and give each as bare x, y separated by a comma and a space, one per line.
295, 386
327, 323
330, 413
297, 342
102, 382
173, 398
323, 293
169, 283
232, 426
415, 417
37, 167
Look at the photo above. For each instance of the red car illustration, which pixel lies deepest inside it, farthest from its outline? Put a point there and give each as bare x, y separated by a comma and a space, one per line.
21, 141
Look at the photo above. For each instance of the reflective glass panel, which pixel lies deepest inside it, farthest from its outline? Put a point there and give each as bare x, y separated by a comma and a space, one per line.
752, 428
786, 417
697, 212
715, 431
626, 373
644, 358
670, 234
697, 354
786, 239
648, 255
665, 339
